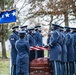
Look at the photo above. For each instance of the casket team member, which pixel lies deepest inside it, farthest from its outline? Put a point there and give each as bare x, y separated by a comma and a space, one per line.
13, 38
55, 50
22, 61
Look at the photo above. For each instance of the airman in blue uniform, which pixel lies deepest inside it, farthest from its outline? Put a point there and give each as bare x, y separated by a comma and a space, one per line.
31, 41
64, 50
22, 61
13, 38
55, 50
39, 42
67, 30
70, 52
74, 35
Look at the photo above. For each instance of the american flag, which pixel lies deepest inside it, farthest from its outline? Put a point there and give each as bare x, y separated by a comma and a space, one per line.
8, 16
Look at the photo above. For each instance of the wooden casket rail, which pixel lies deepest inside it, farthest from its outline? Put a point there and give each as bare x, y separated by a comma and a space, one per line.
40, 66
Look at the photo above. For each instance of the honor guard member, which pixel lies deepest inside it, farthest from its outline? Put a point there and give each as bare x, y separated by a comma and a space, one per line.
22, 60
55, 50
39, 42
67, 30
60, 41
13, 38
70, 52
24, 28
31, 41
74, 35
64, 51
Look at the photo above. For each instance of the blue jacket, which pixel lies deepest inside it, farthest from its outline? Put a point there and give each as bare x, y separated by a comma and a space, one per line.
13, 38
22, 61
31, 40
74, 35
38, 38
64, 47
55, 47
70, 47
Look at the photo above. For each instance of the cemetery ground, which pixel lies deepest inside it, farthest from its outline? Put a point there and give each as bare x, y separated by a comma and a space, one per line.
5, 65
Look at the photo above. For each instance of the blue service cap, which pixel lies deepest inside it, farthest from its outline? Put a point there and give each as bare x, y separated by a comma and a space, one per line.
37, 26
66, 27
22, 32
15, 27
23, 26
55, 25
73, 29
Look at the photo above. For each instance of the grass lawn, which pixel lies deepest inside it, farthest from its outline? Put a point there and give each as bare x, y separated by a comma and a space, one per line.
45, 53
5, 65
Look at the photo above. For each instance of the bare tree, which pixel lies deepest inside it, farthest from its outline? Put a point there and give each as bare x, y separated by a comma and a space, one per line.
41, 8
4, 27
34, 11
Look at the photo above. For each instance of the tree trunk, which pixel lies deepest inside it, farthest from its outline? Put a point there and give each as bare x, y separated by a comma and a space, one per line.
3, 43
3, 48
3, 32
66, 19
50, 23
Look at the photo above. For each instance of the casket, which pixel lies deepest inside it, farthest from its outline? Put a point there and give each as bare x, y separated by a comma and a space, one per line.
40, 66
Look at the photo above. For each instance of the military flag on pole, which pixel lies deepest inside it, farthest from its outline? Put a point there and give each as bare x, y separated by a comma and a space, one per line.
8, 16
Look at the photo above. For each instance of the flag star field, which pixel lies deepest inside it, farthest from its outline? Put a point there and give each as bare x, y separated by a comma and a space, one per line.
8, 16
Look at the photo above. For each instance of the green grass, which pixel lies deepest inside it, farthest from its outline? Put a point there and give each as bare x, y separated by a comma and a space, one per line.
45, 53
5, 65
8, 54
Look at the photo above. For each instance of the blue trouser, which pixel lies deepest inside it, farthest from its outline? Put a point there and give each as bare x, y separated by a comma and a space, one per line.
75, 67
13, 70
70, 68
32, 55
39, 53
56, 65
22, 74
64, 68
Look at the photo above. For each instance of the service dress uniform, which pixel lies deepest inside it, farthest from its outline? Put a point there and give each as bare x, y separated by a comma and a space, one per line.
13, 38
74, 35
22, 61
60, 42
70, 53
64, 54
31, 41
39, 42
55, 52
